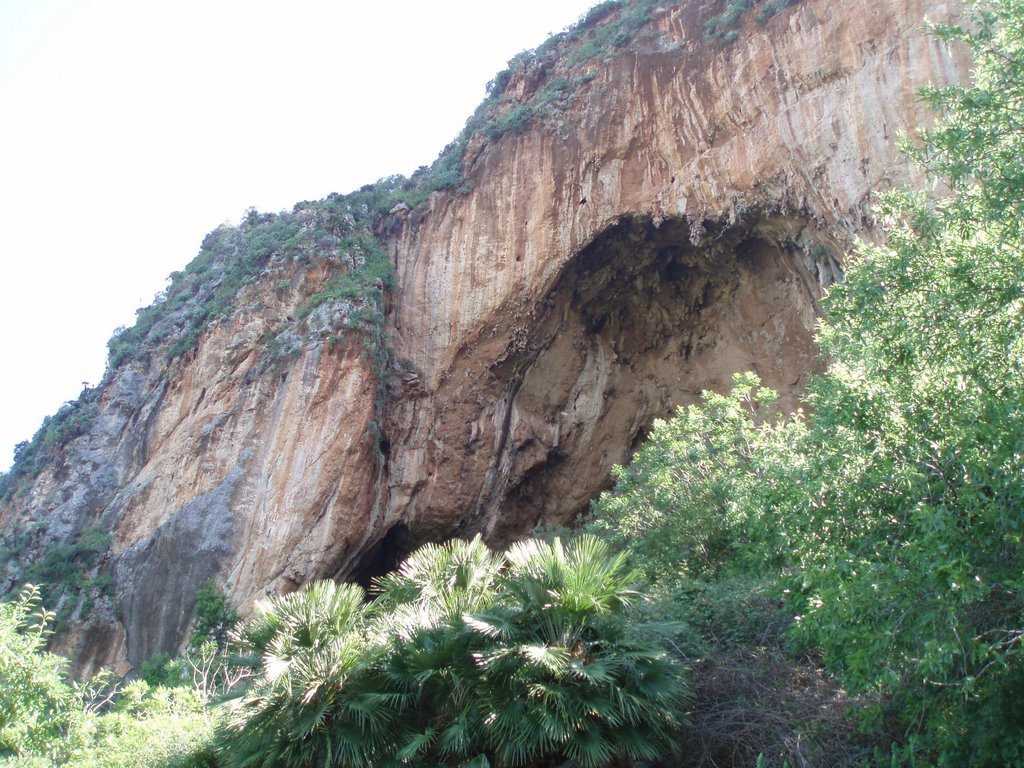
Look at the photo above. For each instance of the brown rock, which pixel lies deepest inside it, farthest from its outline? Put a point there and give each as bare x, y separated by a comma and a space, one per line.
677, 224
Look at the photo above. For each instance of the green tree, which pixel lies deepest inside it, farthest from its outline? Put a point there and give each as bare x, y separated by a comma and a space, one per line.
45, 721
911, 544
893, 513
146, 726
37, 706
316, 701
706, 489
215, 616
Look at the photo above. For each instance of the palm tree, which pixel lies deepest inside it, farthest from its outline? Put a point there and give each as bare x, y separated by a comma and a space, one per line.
465, 658
437, 583
318, 700
431, 652
524, 659
563, 677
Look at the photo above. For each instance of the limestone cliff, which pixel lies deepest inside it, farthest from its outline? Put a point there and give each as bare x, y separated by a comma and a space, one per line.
651, 217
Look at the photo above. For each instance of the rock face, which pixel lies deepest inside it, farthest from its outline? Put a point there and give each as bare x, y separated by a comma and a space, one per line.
675, 223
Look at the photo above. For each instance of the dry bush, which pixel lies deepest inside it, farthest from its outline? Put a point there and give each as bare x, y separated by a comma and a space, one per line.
749, 702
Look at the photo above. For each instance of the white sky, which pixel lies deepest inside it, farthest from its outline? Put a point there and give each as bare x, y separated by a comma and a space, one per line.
129, 129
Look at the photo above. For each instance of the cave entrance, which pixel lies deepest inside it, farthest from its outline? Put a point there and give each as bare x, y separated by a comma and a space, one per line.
383, 557
640, 322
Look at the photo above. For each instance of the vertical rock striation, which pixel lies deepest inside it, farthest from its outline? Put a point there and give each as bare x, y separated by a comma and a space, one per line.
675, 220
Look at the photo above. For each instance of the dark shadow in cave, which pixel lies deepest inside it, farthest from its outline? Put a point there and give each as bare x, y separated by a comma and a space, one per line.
384, 556
641, 321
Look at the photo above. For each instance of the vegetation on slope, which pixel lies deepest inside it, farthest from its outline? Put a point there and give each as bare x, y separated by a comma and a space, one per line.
846, 584
723, 25
465, 657
337, 229
344, 226
889, 519
69, 571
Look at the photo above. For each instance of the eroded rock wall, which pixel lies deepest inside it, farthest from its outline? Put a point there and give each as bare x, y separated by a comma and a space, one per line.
676, 223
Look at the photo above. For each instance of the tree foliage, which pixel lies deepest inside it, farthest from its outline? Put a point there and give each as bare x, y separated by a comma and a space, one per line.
45, 720
36, 705
893, 513
726, 462
912, 540
215, 616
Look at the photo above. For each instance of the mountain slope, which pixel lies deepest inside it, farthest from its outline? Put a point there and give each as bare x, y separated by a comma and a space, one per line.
635, 213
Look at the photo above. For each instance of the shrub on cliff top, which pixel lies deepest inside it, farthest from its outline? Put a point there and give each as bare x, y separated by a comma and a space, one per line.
723, 25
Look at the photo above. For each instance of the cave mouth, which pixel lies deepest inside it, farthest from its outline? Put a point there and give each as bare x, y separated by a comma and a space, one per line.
384, 556
641, 321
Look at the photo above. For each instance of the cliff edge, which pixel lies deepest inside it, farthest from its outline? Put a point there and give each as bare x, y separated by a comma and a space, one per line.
637, 212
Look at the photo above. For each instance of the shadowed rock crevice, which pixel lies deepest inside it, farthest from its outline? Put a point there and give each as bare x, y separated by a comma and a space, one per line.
384, 556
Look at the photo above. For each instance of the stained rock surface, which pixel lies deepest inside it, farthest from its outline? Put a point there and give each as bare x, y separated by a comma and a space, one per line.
677, 222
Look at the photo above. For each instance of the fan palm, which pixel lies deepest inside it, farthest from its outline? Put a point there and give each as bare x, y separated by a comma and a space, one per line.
465, 658
317, 701
562, 677
437, 583
431, 656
